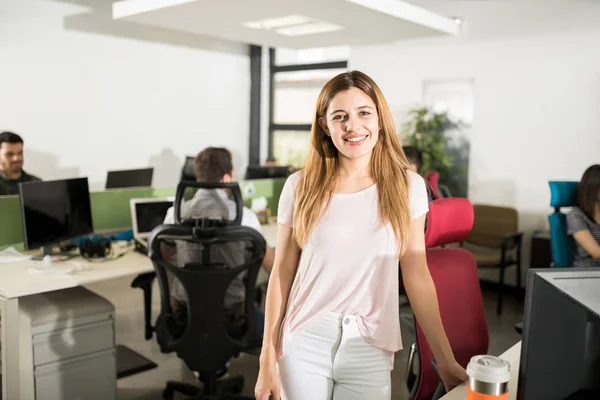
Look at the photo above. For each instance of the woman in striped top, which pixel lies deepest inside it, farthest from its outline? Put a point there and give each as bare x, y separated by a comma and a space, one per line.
583, 221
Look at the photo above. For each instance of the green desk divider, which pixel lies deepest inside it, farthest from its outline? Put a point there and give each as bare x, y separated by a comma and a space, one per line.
11, 229
110, 208
269, 188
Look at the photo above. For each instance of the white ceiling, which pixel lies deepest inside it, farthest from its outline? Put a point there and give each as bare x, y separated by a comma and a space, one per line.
484, 19
363, 21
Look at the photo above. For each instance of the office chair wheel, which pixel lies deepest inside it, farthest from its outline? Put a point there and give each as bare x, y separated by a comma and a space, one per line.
237, 385
168, 394
232, 385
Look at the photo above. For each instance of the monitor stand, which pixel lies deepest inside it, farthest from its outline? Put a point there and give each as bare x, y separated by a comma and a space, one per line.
49, 251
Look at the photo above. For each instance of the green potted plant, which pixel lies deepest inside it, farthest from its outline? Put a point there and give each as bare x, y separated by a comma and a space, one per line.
427, 130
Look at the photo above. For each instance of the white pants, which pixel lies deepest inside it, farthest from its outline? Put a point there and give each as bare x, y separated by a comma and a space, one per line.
331, 361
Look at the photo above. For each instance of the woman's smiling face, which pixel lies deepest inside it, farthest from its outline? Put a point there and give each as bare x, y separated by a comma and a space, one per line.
352, 123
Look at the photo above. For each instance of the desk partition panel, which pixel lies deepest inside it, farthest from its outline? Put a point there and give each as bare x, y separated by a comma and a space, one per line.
11, 229
110, 208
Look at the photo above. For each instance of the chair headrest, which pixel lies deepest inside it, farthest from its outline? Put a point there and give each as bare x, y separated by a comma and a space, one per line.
235, 191
432, 177
450, 220
563, 194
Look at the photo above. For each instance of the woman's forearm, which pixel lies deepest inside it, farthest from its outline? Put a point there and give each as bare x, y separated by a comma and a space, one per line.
423, 299
586, 240
276, 303
282, 276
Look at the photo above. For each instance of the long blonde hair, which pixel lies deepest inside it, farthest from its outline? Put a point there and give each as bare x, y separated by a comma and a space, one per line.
388, 165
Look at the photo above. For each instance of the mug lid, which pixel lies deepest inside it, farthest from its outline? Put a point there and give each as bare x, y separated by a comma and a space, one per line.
490, 369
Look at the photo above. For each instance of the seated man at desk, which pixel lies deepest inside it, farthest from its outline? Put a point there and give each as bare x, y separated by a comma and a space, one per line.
11, 164
213, 164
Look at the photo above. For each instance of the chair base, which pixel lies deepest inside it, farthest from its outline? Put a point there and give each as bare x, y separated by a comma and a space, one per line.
227, 389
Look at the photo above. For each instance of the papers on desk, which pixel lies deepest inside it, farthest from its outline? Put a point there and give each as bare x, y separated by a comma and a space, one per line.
11, 255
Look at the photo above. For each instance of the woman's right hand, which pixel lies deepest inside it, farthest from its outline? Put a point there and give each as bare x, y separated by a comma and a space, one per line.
267, 383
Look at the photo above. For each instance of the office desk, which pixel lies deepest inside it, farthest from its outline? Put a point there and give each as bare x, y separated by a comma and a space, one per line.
513, 356
269, 231
16, 281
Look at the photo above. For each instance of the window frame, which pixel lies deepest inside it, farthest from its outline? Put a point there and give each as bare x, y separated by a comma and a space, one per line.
273, 70
255, 53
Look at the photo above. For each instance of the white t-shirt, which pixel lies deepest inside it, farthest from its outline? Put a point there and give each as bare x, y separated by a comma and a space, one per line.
349, 264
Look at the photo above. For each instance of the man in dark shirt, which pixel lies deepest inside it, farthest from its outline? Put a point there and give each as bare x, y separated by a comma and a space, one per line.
11, 164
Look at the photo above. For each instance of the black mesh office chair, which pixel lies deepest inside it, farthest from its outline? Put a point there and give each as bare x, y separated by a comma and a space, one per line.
144, 282
202, 336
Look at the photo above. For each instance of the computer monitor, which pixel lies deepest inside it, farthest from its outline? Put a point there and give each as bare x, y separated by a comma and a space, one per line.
187, 172
54, 211
129, 178
560, 353
264, 172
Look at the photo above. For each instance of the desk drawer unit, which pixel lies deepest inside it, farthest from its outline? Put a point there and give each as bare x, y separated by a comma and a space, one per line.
88, 377
67, 345
78, 340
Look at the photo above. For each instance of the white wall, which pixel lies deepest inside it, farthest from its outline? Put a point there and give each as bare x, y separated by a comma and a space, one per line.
537, 106
87, 102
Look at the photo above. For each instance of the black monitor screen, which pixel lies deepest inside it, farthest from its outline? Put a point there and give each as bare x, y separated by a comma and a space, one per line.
129, 178
263, 172
150, 215
55, 210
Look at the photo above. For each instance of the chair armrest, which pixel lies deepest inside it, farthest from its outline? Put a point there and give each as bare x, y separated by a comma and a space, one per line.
144, 282
508, 239
410, 377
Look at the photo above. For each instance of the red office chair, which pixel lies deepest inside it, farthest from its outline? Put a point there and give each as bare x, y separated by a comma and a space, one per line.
454, 273
433, 179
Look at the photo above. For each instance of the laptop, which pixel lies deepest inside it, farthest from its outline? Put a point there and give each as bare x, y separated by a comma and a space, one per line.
146, 214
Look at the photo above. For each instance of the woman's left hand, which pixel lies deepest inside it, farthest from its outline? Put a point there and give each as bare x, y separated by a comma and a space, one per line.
452, 374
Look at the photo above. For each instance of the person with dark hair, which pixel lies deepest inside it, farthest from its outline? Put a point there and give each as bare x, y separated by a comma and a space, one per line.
11, 164
583, 221
414, 157
214, 164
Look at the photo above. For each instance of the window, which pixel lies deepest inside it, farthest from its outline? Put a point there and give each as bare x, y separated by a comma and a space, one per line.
291, 147
296, 78
295, 94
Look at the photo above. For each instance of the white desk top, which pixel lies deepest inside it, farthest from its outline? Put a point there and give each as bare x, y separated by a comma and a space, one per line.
17, 281
269, 232
513, 356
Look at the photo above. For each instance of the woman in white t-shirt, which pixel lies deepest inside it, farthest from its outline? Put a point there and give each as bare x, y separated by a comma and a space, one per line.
332, 317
